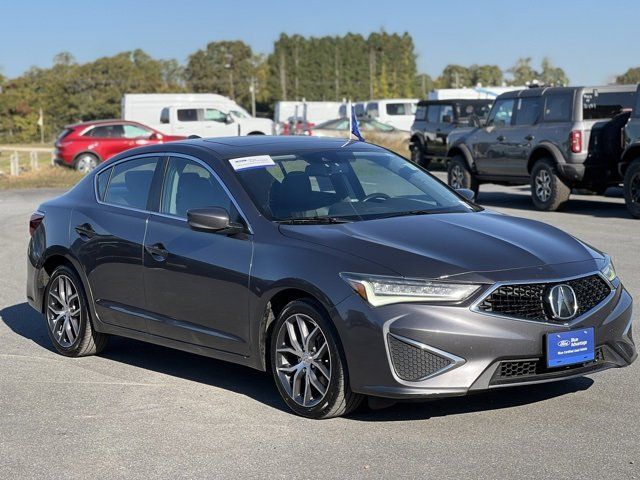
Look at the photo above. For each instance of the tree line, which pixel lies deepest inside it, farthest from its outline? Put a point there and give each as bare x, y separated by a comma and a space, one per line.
352, 66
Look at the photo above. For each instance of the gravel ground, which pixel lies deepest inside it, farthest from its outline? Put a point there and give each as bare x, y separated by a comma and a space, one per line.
142, 411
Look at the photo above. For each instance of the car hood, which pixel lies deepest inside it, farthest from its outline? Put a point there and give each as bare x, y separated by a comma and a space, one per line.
455, 244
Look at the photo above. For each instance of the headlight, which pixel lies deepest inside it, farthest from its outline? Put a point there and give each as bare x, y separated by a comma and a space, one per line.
608, 271
378, 290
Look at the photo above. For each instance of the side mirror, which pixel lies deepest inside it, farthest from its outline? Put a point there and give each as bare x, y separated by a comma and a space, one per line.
155, 136
229, 119
466, 193
212, 219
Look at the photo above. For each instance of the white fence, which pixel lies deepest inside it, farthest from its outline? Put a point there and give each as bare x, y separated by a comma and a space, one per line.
31, 152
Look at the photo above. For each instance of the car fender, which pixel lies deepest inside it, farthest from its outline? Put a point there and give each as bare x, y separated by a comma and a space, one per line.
545, 150
630, 153
461, 148
82, 152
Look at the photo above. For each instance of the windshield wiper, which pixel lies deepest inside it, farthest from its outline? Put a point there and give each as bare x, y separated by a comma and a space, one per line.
312, 220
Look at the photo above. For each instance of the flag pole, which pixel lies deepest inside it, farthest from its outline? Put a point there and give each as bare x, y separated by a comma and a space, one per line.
350, 119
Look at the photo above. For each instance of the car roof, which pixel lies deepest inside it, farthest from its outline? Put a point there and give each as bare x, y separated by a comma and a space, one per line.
539, 91
448, 101
111, 121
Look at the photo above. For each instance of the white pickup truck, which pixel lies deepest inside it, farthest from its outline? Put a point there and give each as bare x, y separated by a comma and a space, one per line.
211, 121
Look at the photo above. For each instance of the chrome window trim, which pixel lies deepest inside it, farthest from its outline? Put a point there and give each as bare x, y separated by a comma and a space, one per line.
474, 307
161, 155
455, 360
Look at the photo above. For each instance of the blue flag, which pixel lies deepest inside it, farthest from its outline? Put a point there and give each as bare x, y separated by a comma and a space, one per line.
355, 129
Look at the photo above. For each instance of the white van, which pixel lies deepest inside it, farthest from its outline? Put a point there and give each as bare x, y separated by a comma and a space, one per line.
202, 114
397, 112
221, 120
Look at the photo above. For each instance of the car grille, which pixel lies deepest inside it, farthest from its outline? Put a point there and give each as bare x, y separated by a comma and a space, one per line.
527, 300
412, 363
529, 369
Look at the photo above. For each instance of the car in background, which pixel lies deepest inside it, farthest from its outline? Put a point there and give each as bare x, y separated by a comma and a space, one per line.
339, 127
436, 119
552, 138
629, 165
212, 120
84, 145
397, 112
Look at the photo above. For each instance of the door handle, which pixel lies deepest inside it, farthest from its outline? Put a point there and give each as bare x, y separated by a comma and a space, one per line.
157, 251
501, 138
529, 138
85, 231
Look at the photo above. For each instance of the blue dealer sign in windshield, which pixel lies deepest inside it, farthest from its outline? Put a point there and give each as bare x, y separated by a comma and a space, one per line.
568, 348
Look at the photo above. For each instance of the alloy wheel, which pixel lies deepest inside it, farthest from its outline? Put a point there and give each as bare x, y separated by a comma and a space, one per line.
63, 311
457, 177
303, 362
86, 163
543, 185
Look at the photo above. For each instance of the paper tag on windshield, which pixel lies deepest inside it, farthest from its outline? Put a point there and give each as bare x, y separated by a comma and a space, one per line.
257, 161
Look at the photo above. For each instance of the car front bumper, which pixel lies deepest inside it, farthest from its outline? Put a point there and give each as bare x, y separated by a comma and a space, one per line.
482, 351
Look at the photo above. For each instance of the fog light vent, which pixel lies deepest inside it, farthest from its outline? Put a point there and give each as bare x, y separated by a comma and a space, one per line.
413, 363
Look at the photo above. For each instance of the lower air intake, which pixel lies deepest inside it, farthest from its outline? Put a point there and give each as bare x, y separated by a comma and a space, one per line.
412, 363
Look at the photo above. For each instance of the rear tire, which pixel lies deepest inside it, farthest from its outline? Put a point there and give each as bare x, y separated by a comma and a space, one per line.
632, 188
307, 363
67, 316
459, 175
85, 162
419, 155
548, 190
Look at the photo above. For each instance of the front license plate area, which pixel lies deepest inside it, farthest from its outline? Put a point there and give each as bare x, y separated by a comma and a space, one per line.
569, 348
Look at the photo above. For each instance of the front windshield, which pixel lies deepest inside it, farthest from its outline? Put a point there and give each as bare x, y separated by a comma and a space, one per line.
344, 185
240, 113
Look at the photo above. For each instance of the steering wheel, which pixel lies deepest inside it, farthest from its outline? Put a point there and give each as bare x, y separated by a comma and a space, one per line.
379, 195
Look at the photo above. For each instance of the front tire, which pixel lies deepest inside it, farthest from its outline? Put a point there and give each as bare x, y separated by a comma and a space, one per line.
548, 190
459, 175
307, 364
68, 318
632, 188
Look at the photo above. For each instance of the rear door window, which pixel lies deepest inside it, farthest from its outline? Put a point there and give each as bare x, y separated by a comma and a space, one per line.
606, 104
433, 113
372, 109
557, 108
102, 181
131, 182
501, 113
106, 131
188, 114
528, 110
397, 109
446, 114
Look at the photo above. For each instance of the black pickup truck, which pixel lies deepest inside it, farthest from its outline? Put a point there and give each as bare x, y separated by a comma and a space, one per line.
629, 166
435, 119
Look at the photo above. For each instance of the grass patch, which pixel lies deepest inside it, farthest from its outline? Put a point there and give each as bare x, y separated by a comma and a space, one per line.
47, 176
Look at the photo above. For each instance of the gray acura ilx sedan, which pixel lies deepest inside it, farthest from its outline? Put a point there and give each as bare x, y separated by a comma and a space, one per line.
340, 267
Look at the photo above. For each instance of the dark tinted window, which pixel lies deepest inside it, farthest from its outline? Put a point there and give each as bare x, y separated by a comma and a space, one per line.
557, 108
372, 109
164, 115
130, 183
432, 113
421, 113
102, 182
398, 109
187, 185
188, 115
106, 131
501, 113
528, 110
606, 104
636, 110
466, 110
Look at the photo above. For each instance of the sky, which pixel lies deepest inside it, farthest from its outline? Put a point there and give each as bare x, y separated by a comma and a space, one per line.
592, 40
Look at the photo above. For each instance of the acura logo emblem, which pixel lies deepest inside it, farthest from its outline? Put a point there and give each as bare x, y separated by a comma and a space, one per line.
563, 302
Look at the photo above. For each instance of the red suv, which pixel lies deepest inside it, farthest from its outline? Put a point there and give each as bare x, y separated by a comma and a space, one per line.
84, 145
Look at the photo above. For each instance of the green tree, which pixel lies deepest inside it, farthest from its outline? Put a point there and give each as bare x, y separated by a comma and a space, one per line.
632, 75
486, 75
522, 72
222, 67
551, 75
455, 76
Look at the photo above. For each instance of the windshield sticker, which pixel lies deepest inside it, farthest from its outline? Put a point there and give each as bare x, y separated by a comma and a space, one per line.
257, 161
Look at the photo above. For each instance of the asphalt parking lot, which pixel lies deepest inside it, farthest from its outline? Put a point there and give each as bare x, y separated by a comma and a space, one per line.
142, 411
